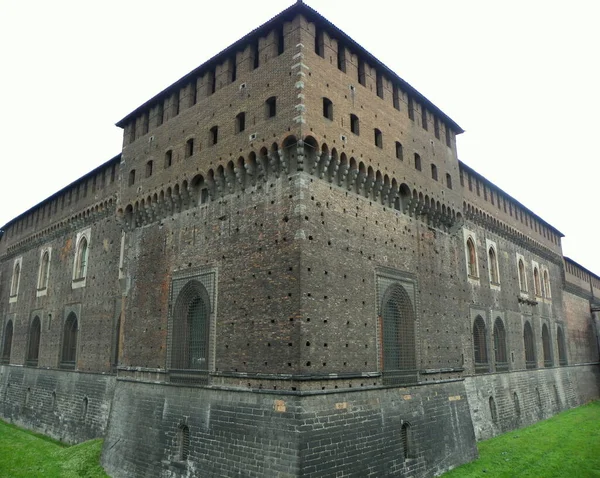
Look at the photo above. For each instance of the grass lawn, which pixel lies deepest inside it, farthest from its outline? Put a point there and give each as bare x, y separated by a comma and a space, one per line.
28, 455
566, 445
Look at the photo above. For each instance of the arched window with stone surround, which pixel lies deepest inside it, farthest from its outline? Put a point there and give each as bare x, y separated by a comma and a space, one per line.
472, 258
33, 347
536, 282
7, 342
480, 346
44, 269
546, 346
530, 361
546, 282
522, 279
493, 265
191, 323
16, 279
81, 258
398, 336
500, 352
69, 342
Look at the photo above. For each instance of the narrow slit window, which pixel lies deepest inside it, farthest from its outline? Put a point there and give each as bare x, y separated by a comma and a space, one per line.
434, 172
189, 147
417, 162
271, 107
214, 135
399, 151
378, 137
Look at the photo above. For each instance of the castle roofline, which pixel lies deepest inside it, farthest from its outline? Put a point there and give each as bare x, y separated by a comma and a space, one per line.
578, 265
116, 159
471, 171
298, 8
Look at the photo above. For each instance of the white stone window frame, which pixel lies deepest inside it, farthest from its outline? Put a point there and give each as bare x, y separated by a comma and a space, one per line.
523, 289
492, 245
42, 289
534, 266
467, 234
14, 288
546, 287
80, 281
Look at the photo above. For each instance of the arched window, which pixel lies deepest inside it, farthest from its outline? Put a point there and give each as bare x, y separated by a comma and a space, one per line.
480, 346
406, 437
472, 258
562, 351
7, 342
536, 282
530, 361
69, 344
131, 177
81, 259
16, 279
434, 172
191, 321
271, 107
183, 442
33, 349
522, 280
500, 354
398, 336
149, 168
44, 269
547, 291
548, 362
214, 135
493, 266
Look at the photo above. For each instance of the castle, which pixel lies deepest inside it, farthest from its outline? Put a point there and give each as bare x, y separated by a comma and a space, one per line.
288, 272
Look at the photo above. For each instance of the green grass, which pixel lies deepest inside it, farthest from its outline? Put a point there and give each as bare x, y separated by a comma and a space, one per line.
566, 445
24, 454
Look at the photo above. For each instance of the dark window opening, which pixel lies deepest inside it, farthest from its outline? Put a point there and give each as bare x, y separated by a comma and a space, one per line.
448, 181
168, 159
411, 109
233, 69
132, 177
145, 123
448, 137
434, 172
562, 351
500, 353
132, 131
341, 58
175, 103
319, 40
213, 82
378, 137
33, 349
361, 72
240, 122
160, 114
399, 151
530, 361
189, 147
255, 54
493, 411
398, 336
424, 117
395, 97
406, 438
214, 135
354, 124
480, 346
472, 257
379, 84
149, 169
327, 108
417, 162
7, 342
69, 345
193, 93
547, 349
271, 107
436, 127
280, 41
183, 439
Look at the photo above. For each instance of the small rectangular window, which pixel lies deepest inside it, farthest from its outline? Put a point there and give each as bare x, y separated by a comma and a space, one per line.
361, 72
341, 58
417, 162
189, 147
160, 114
327, 108
436, 127
434, 172
379, 84
399, 152
448, 181
354, 124
214, 135
240, 122
395, 97
424, 117
448, 137
411, 109
378, 138
168, 159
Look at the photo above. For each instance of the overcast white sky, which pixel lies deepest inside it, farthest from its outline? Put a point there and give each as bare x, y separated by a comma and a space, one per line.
521, 77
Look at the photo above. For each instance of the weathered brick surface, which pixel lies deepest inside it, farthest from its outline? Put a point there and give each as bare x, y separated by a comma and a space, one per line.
299, 221
69, 406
